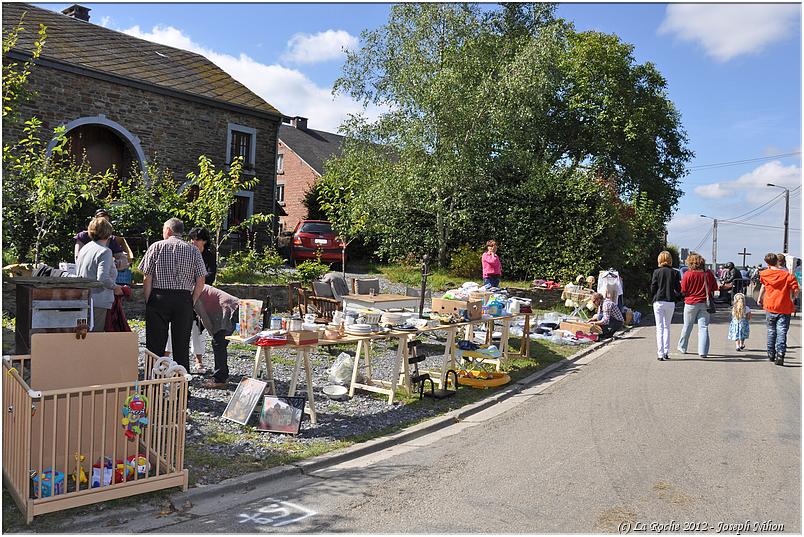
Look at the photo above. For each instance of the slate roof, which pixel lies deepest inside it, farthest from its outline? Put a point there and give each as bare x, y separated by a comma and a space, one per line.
314, 147
90, 46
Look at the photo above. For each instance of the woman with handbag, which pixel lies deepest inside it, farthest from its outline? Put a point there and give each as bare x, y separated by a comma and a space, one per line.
665, 288
698, 286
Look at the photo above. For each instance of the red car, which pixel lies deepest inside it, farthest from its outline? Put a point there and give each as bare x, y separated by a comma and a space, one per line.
313, 236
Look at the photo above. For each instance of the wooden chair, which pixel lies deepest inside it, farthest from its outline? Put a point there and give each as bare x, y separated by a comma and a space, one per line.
364, 287
321, 299
297, 298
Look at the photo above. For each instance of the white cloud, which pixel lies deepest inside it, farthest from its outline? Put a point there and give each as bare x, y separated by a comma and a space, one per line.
289, 90
753, 184
320, 47
714, 191
726, 31
106, 21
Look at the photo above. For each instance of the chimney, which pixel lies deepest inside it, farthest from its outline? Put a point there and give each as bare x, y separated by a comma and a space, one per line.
78, 12
299, 122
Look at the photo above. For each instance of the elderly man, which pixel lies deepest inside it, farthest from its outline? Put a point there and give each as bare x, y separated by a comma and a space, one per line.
174, 278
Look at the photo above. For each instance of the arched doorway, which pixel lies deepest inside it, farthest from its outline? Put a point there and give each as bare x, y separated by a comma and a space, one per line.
107, 145
103, 148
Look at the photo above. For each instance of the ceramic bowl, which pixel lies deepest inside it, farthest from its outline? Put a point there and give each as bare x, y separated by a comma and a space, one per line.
335, 392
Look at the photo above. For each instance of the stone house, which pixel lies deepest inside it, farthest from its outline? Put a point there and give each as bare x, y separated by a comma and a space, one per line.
300, 163
126, 101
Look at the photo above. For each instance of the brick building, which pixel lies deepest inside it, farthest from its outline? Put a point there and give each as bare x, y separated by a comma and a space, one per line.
126, 101
300, 163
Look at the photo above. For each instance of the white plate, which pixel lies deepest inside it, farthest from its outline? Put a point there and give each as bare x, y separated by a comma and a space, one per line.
321, 241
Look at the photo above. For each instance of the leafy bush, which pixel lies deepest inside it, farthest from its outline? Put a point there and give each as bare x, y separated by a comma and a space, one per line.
310, 271
466, 262
244, 266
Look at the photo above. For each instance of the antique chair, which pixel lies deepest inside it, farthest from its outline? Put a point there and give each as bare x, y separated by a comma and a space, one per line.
364, 287
297, 298
322, 300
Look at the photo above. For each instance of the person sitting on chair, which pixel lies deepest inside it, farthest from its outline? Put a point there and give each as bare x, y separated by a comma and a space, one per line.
609, 317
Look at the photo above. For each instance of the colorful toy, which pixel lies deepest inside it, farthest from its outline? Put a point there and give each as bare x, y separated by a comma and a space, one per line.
102, 473
79, 469
134, 420
52, 483
141, 463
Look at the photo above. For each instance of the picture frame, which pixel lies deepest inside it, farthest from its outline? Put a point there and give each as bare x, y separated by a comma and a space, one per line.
244, 400
281, 414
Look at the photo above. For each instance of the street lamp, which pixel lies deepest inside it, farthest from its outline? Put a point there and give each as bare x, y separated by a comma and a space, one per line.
786, 212
714, 241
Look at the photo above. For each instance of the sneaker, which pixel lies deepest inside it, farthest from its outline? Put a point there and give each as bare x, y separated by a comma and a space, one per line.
660, 358
738, 349
703, 356
780, 359
666, 356
772, 356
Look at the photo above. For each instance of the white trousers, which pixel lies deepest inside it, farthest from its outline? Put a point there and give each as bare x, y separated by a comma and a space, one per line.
663, 312
198, 341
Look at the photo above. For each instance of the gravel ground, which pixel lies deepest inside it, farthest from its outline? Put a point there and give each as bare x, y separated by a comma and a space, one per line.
211, 440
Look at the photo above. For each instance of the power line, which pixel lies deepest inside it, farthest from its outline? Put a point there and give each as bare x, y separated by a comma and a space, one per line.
703, 241
755, 225
766, 209
745, 161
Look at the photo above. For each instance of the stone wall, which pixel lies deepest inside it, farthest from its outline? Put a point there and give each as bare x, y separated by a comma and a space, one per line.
135, 306
172, 130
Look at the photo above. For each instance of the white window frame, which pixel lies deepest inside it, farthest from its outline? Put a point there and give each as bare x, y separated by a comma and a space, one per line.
280, 163
249, 212
253, 150
280, 201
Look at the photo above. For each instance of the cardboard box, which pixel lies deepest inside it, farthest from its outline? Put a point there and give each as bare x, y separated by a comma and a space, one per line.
302, 337
470, 309
482, 296
574, 326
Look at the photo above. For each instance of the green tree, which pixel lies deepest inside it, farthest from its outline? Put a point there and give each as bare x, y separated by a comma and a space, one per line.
143, 202
215, 196
15, 74
43, 188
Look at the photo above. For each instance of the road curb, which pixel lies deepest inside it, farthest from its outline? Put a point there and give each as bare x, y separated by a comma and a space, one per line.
383, 442
249, 481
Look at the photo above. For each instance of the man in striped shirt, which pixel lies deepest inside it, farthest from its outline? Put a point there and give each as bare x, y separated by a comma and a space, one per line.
174, 278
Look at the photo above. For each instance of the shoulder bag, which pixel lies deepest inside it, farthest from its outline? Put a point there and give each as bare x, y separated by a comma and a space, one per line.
710, 306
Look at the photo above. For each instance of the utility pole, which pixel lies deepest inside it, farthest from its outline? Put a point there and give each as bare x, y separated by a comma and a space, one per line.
714, 241
786, 214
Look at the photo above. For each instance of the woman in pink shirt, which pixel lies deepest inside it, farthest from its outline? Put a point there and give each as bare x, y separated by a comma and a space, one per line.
492, 268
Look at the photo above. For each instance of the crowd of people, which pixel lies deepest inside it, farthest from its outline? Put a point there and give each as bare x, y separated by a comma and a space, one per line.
696, 286
180, 300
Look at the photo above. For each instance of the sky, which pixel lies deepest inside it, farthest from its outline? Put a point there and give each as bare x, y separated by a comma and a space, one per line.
733, 72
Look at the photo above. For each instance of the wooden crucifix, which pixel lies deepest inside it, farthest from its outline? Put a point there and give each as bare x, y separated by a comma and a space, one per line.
744, 254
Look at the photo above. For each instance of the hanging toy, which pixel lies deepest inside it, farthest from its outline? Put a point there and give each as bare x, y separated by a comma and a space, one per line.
134, 419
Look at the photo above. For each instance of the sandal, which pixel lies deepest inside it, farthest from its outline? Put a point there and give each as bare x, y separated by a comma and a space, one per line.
199, 367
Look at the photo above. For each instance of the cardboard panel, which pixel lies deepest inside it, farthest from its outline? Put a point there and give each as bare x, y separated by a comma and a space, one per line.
60, 361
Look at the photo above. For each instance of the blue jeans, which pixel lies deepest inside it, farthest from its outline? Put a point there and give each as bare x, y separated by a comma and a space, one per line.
778, 323
695, 313
493, 281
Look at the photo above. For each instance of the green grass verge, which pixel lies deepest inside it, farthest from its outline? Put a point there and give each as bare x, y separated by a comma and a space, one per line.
438, 280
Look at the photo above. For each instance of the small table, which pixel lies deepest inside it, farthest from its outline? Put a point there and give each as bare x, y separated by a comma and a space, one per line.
382, 301
262, 361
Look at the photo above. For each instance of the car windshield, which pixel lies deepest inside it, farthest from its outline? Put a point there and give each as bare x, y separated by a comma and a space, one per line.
316, 227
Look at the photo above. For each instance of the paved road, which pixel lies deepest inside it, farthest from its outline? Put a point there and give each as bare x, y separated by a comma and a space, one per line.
618, 439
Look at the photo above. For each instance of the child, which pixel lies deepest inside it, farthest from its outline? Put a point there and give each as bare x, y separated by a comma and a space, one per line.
492, 268
738, 328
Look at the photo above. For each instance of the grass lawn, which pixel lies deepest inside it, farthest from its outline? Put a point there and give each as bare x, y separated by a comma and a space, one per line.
438, 280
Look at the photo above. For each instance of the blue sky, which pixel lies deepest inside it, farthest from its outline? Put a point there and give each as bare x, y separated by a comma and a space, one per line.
733, 71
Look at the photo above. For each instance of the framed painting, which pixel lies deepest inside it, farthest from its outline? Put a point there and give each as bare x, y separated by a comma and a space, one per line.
281, 414
244, 400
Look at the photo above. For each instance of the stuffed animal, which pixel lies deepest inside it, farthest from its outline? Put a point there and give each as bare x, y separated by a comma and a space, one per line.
134, 411
79, 469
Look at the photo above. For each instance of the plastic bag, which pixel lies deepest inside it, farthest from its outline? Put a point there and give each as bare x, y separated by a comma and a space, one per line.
341, 370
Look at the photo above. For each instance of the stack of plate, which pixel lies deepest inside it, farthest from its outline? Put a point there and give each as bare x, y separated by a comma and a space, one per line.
392, 318
358, 329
